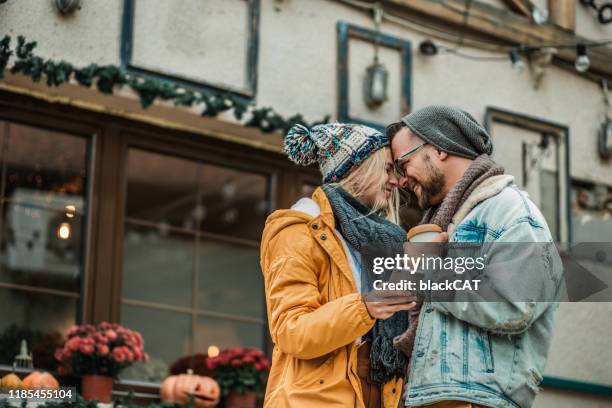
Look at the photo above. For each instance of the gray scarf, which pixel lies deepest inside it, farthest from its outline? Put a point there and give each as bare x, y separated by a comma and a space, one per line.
481, 169
359, 226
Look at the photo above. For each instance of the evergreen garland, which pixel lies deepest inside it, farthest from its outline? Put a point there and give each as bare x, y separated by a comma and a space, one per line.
107, 77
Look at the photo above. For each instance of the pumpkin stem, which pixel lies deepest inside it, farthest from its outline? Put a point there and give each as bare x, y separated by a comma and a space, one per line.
189, 371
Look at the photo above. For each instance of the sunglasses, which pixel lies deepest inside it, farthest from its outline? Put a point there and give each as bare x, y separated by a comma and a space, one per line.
398, 163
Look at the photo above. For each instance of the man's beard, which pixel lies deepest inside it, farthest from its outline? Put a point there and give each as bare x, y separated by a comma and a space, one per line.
431, 187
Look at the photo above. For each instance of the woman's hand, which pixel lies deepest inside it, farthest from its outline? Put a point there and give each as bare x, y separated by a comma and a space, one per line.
384, 310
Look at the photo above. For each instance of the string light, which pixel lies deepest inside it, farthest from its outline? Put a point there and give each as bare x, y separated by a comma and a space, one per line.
64, 231
70, 209
539, 16
429, 48
582, 60
582, 64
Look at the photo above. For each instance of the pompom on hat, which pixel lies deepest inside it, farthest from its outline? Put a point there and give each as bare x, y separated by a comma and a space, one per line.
337, 147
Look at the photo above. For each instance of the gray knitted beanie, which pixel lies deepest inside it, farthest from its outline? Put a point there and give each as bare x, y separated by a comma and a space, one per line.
451, 130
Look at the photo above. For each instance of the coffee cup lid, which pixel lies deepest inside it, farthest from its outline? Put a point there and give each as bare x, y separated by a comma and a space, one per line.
419, 229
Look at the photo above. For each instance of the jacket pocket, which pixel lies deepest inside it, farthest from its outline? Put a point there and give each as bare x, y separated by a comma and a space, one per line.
469, 232
313, 371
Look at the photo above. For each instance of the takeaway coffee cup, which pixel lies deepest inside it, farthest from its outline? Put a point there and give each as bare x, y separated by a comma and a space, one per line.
423, 233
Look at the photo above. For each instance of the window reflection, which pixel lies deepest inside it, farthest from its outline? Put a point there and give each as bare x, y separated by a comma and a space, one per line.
42, 217
229, 279
191, 256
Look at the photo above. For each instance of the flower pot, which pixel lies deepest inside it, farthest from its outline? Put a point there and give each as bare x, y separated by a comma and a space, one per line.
97, 387
237, 400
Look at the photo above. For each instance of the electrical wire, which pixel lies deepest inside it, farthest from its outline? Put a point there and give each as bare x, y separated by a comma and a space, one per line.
425, 29
593, 44
476, 43
484, 44
473, 57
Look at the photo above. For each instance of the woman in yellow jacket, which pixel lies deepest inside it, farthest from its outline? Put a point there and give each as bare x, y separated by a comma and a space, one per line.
331, 345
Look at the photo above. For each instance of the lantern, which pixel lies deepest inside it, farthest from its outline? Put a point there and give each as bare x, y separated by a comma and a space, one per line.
375, 84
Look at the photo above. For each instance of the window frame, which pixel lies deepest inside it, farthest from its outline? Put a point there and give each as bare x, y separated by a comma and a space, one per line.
40, 119
346, 32
561, 133
145, 142
111, 137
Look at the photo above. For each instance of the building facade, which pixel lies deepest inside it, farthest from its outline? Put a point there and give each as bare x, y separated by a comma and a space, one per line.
152, 217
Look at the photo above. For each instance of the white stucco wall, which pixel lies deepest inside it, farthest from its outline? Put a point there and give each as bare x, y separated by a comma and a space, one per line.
90, 35
447, 79
297, 74
297, 64
563, 399
161, 43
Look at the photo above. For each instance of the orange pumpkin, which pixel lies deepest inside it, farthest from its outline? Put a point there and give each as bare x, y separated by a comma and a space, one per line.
40, 380
11, 382
179, 388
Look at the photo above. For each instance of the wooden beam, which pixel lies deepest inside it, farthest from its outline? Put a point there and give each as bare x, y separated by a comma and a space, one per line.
507, 27
523, 7
563, 13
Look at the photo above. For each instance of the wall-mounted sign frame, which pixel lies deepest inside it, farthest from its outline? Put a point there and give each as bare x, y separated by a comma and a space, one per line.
247, 93
347, 31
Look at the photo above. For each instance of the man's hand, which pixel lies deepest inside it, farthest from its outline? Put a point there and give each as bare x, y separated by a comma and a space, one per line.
441, 238
384, 310
431, 248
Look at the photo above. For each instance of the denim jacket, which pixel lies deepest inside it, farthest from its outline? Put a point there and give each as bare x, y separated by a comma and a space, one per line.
492, 353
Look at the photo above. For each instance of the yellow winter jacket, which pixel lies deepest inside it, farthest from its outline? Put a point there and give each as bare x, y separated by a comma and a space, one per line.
315, 314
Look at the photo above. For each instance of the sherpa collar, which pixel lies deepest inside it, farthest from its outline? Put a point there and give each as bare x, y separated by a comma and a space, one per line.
487, 189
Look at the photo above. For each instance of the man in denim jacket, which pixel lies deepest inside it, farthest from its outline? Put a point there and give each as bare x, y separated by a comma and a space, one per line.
471, 353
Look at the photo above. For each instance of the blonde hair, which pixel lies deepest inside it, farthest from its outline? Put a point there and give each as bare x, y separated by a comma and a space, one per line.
367, 177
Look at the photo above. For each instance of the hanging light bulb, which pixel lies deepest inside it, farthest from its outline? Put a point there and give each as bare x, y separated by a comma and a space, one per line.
64, 231
375, 86
517, 62
70, 209
199, 212
229, 216
582, 60
229, 189
539, 15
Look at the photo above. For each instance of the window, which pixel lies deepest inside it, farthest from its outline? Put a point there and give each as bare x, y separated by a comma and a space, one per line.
43, 204
536, 152
191, 276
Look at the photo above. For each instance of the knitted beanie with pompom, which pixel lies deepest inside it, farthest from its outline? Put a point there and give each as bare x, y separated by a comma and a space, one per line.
337, 147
